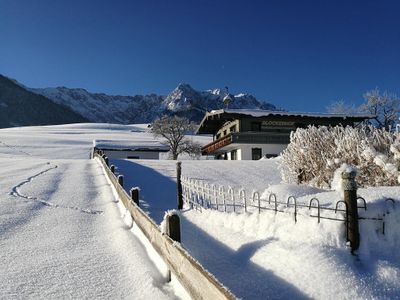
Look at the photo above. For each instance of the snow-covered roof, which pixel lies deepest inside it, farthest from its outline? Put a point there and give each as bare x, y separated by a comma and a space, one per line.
265, 113
135, 145
214, 119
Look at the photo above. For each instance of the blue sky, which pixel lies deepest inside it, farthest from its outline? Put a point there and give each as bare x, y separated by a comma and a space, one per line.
298, 55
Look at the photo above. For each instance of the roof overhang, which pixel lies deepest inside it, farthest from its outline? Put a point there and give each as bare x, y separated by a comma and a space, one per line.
127, 145
214, 120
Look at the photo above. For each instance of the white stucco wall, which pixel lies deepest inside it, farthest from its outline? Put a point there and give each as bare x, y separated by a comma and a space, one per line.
244, 150
229, 156
239, 154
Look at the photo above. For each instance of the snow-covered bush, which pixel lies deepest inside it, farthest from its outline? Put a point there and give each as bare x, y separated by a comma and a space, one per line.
315, 153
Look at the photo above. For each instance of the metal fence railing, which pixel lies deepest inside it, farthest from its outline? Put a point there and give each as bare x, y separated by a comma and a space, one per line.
200, 194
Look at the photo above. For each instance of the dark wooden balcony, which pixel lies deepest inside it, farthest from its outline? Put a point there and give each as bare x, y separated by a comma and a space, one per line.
217, 144
246, 138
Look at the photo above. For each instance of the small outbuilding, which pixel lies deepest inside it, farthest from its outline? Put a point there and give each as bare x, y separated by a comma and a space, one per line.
130, 149
242, 134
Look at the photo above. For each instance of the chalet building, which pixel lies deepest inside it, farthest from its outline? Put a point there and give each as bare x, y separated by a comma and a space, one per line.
130, 149
240, 134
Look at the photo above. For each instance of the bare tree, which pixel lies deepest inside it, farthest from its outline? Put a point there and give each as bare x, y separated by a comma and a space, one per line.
173, 130
340, 107
385, 107
192, 148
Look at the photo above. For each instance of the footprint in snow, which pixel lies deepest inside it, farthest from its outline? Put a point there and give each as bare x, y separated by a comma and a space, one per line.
16, 193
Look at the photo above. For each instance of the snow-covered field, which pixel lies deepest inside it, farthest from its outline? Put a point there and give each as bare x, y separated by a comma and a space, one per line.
61, 232
62, 235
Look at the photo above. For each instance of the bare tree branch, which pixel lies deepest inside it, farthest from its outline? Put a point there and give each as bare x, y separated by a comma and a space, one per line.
173, 130
386, 108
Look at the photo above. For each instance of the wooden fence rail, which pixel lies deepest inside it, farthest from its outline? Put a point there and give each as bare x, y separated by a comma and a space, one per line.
198, 282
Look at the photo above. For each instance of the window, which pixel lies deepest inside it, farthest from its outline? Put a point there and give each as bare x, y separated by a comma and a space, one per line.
233, 128
234, 155
255, 126
225, 132
256, 153
218, 136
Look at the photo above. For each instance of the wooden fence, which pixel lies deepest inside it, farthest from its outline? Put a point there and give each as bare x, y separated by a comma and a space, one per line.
198, 282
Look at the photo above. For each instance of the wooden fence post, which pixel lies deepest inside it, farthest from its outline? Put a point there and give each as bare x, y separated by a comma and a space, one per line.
179, 184
350, 198
174, 227
300, 176
135, 195
121, 180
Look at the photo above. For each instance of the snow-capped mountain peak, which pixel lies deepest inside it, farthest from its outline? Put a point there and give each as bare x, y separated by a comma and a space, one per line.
184, 100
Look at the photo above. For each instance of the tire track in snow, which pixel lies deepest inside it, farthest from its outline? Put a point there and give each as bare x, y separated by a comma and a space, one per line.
16, 193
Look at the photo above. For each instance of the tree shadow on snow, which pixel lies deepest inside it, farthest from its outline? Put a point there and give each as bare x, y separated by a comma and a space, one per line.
157, 191
234, 268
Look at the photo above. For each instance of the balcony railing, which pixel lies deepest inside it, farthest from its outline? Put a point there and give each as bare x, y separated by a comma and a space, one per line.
245, 138
260, 138
215, 145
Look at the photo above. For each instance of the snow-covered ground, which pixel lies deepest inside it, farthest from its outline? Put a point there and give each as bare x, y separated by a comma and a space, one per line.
62, 234
270, 256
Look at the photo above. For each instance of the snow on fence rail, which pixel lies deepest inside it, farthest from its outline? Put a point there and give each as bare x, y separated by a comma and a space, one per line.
198, 282
200, 194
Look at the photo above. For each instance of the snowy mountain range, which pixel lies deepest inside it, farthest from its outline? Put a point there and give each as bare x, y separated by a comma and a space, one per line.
20, 107
72, 105
182, 101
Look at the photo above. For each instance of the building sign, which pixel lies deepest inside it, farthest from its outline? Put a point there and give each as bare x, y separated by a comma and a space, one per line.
277, 123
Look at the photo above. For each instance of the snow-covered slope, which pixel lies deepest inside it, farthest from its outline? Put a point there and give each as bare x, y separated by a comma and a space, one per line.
183, 101
101, 108
61, 235
20, 107
61, 231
